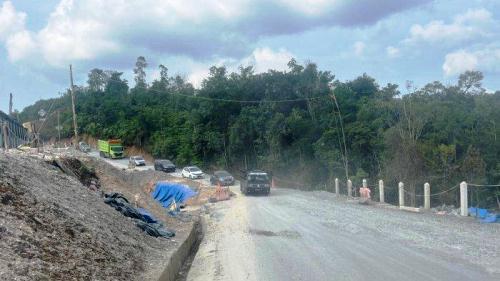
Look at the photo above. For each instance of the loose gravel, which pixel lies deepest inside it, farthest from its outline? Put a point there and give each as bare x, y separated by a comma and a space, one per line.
54, 228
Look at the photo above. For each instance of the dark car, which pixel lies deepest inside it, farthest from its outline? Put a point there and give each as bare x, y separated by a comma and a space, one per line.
222, 178
164, 165
256, 182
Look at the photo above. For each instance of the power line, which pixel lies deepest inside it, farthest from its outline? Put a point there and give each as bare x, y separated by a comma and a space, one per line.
47, 115
483, 185
249, 101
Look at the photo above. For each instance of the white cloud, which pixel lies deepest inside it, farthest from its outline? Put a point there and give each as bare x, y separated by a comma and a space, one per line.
472, 24
197, 76
359, 48
93, 29
263, 59
11, 21
310, 7
20, 45
487, 59
392, 51
458, 62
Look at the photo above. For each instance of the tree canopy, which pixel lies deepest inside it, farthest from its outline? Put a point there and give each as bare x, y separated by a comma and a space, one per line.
287, 122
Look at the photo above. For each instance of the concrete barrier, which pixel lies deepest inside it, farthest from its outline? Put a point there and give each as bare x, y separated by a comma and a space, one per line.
401, 191
464, 203
349, 188
427, 196
381, 191
178, 258
410, 209
337, 186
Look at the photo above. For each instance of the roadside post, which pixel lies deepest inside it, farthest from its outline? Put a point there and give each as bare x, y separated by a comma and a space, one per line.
463, 199
427, 196
401, 189
337, 186
349, 188
381, 191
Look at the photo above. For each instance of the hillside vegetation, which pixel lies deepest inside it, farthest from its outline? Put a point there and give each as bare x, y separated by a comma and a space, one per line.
287, 122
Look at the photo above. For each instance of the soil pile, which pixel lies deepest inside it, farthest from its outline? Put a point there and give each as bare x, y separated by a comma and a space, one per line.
54, 228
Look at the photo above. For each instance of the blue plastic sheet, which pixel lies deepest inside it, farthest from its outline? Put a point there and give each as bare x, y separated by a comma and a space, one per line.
491, 218
483, 215
167, 192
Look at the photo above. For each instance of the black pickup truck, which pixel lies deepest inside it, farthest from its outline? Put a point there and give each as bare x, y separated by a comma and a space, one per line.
256, 182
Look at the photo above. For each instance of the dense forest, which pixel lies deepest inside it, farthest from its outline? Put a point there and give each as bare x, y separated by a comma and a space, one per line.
302, 124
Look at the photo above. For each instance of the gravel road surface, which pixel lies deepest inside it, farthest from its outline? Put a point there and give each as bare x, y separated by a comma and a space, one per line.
293, 235
120, 163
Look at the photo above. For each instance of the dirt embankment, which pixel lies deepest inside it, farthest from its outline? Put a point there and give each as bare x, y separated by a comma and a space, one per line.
54, 228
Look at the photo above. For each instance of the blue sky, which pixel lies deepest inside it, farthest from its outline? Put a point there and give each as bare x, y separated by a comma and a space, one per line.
392, 40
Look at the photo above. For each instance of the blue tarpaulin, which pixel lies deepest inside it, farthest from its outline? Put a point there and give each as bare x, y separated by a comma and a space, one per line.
166, 192
483, 215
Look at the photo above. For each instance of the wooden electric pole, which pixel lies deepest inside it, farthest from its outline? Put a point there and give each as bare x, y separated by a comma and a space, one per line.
10, 105
73, 102
58, 127
5, 132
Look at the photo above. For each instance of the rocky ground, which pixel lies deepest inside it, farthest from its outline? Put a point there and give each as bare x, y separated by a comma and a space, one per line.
52, 227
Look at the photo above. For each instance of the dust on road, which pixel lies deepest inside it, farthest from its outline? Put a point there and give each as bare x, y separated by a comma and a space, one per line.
295, 235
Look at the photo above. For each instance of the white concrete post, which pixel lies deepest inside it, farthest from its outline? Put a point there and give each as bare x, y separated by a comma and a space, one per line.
463, 199
349, 188
337, 186
401, 190
381, 191
427, 196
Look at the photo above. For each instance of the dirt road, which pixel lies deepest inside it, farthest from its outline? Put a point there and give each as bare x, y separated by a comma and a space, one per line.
295, 235
120, 163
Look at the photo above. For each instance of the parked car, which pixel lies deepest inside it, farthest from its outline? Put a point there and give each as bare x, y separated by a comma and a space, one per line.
137, 161
192, 172
222, 178
256, 181
83, 146
164, 165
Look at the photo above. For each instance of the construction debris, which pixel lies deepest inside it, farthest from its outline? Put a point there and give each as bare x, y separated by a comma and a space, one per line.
53, 227
146, 222
446, 210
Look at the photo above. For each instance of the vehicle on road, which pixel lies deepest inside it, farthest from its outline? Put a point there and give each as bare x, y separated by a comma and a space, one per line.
83, 147
164, 165
110, 148
137, 161
222, 178
256, 181
192, 172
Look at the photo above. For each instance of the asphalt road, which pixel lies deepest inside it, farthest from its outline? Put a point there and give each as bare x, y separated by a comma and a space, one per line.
121, 163
294, 235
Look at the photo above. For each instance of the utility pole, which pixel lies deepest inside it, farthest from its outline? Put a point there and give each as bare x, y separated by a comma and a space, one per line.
58, 127
10, 105
346, 161
5, 132
73, 102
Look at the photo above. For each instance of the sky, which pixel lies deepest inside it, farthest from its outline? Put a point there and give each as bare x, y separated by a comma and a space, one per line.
392, 40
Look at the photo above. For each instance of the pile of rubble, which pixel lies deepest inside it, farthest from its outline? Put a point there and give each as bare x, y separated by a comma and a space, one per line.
446, 210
